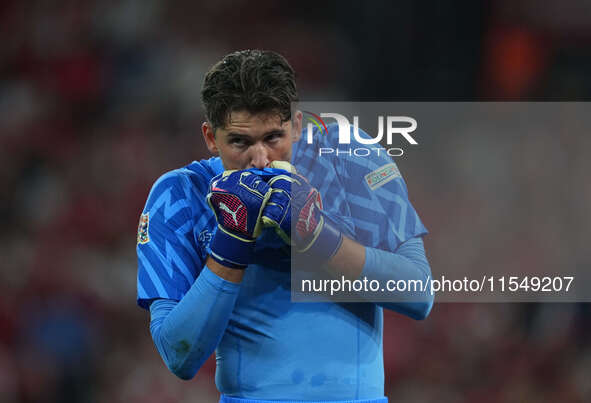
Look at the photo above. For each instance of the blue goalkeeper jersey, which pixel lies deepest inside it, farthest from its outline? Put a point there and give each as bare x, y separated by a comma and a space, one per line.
273, 347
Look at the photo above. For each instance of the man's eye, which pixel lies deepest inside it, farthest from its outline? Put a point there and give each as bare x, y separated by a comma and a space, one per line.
273, 137
238, 142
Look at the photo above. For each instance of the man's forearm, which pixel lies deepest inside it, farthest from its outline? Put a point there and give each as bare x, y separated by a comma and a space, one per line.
227, 273
409, 262
349, 259
188, 331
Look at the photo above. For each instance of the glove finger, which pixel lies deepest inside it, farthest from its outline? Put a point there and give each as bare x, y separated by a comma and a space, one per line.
274, 212
278, 230
267, 173
277, 205
280, 196
213, 183
284, 182
277, 213
228, 172
254, 182
283, 165
220, 180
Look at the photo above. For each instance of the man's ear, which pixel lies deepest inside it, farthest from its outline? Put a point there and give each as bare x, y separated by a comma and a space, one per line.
209, 137
297, 126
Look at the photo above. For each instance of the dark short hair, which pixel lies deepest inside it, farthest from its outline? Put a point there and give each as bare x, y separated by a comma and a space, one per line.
256, 81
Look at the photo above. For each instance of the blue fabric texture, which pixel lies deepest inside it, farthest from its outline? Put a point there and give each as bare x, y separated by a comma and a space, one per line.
227, 399
187, 332
410, 263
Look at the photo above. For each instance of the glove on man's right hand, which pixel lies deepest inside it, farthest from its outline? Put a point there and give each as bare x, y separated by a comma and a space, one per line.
237, 199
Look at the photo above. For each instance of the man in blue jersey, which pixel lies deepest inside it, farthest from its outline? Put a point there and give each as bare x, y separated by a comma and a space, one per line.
215, 274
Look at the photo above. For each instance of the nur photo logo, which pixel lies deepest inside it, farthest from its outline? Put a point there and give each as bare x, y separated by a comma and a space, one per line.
389, 128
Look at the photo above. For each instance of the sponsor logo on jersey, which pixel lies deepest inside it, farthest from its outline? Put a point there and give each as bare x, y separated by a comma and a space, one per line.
142, 229
382, 175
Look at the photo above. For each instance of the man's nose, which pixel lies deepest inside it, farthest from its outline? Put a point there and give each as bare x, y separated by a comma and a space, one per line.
259, 157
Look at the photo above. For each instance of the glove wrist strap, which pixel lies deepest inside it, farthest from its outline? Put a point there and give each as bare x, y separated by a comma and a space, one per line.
231, 250
326, 243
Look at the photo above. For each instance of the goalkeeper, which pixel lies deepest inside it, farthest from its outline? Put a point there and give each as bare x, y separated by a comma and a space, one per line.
215, 239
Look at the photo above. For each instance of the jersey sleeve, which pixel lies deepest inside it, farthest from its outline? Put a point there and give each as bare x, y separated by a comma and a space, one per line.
378, 199
168, 257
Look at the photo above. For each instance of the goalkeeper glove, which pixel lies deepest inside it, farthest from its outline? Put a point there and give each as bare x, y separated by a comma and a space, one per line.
295, 211
237, 199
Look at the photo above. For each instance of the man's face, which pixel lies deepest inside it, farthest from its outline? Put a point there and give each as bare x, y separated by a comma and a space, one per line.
253, 141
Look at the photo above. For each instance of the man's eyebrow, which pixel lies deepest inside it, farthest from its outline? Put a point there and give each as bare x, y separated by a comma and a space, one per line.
274, 131
233, 134
270, 132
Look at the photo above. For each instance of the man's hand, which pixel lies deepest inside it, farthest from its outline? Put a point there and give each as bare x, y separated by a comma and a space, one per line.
294, 209
237, 199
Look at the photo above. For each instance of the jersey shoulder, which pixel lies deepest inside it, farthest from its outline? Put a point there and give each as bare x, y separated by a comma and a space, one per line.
174, 232
188, 182
201, 172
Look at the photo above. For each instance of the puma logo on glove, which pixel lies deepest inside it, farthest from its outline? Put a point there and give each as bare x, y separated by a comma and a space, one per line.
225, 208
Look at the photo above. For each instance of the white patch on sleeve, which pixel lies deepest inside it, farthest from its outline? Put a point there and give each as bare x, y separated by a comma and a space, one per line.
382, 175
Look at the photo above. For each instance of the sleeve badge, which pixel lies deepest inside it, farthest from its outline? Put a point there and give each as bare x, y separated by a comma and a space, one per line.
381, 176
142, 229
